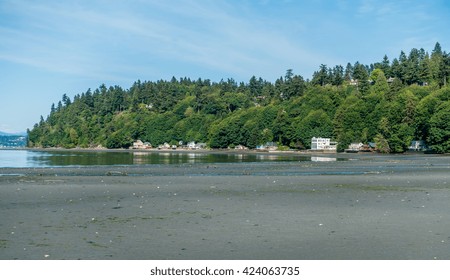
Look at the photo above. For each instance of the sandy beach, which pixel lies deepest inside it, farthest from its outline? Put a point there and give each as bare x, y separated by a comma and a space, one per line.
365, 207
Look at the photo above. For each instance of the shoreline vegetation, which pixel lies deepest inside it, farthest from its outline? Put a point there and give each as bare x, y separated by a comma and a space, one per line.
386, 106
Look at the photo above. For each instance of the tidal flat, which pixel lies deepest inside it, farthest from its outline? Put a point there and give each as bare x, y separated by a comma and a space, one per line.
360, 207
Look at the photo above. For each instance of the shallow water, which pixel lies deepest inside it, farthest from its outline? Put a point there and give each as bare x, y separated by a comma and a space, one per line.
32, 158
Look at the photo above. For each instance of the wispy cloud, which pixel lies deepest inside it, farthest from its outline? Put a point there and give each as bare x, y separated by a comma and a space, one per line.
98, 38
91, 40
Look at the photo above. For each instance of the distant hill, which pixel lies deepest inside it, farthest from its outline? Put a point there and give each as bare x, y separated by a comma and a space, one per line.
12, 134
388, 103
8, 140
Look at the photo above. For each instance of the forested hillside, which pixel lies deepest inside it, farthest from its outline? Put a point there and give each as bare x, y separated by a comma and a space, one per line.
388, 102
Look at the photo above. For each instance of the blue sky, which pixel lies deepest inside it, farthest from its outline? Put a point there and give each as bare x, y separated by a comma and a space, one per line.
48, 48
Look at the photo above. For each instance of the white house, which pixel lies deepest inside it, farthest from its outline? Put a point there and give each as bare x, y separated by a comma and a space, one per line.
418, 145
193, 146
354, 147
240, 147
321, 144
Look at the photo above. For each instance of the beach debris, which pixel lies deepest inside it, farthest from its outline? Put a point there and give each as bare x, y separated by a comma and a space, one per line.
116, 173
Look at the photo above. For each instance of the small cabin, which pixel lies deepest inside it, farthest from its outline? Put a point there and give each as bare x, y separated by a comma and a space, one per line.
138, 144
240, 147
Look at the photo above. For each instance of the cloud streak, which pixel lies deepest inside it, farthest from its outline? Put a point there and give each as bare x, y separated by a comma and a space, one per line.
89, 39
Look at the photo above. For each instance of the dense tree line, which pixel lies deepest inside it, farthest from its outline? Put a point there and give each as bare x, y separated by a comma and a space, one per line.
389, 103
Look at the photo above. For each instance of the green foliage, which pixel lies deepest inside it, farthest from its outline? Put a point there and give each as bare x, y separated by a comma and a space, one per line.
118, 139
250, 128
316, 123
439, 133
349, 121
386, 103
382, 144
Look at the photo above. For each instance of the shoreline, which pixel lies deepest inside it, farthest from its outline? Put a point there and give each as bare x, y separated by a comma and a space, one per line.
226, 151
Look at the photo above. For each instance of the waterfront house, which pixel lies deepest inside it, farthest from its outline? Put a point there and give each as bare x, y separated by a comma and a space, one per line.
354, 147
165, 146
193, 146
323, 144
138, 144
240, 147
269, 146
418, 145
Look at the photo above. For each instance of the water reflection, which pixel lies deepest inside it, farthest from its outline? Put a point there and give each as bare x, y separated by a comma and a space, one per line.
179, 158
323, 159
166, 158
66, 158
264, 157
24, 158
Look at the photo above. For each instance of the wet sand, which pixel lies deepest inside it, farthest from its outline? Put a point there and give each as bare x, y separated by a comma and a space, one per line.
365, 207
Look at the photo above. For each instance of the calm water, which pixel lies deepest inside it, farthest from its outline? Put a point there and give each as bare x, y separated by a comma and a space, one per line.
25, 158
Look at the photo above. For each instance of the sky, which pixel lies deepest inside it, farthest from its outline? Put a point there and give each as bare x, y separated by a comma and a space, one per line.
50, 48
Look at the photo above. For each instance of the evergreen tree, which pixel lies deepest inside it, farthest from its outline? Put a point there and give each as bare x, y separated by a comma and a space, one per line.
385, 66
361, 74
348, 75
